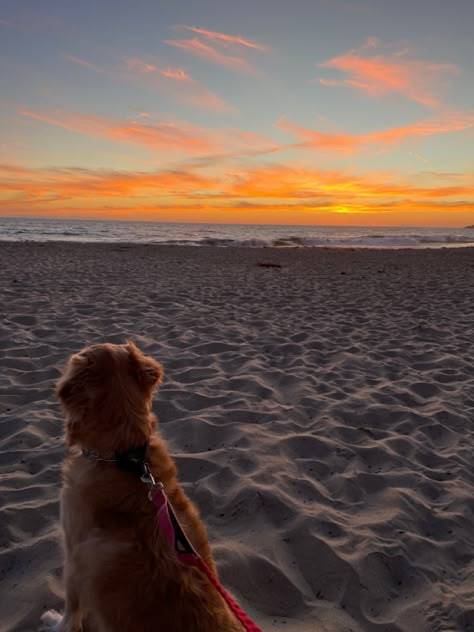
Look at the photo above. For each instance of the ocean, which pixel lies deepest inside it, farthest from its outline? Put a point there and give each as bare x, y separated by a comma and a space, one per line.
244, 236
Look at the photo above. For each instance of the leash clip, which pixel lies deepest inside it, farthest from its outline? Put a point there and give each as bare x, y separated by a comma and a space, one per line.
148, 478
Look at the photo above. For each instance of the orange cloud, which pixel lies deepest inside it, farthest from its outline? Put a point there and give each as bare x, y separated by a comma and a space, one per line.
346, 143
160, 135
182, 137
229, 40
179, 136
179, 83
278, 193
200, 49
65, 184
380, 75
81, 62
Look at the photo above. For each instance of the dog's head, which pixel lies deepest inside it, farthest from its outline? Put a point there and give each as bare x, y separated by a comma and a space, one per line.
106, 392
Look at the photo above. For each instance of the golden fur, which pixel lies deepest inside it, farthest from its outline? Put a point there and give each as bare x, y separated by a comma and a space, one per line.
120, 575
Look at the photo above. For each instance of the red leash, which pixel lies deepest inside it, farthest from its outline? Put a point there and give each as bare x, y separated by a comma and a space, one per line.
174, 533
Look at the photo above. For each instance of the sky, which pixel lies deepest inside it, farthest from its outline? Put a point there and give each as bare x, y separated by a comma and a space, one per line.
319, 112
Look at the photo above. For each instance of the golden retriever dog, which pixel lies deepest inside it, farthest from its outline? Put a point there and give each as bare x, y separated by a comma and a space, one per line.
120, 573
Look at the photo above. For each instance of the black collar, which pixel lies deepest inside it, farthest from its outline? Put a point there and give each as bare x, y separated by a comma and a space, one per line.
132, 460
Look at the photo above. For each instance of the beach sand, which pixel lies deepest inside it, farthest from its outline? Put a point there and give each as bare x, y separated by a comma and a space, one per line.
320, 411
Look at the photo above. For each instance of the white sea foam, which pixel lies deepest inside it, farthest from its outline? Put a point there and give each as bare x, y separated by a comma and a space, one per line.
232, 235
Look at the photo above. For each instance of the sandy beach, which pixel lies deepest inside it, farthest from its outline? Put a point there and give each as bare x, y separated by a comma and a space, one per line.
319, 404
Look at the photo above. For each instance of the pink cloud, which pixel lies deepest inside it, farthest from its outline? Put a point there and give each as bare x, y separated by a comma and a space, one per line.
371, 42
81, 62
177, 81
175, 73
417, 156
223, 38
212, 48
208, 52
179, 136
346, 143
379, 75
329, 82
82, 124
135, 64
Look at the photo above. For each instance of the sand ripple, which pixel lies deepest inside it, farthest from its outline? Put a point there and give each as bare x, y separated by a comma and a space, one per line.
321, 421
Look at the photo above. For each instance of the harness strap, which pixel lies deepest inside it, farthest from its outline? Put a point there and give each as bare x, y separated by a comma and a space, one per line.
175, 535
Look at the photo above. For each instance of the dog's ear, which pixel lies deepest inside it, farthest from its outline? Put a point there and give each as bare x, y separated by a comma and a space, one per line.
70, 391
146, 370
72, 378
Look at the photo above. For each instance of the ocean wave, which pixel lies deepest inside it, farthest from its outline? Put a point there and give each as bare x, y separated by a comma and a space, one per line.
293, 241
230, 235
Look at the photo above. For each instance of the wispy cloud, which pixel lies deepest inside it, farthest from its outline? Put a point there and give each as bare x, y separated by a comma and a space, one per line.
346, 143
417, 156
211, 145
224, 38
208, 52
380, 75
175, 73
138, 65
81, 62
179, 136
213, 47
179, 83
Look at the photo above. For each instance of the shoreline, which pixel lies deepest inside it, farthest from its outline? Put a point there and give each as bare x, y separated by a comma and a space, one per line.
434, 246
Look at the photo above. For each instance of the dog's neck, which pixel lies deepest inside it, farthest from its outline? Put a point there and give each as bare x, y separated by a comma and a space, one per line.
93, 455
132, 460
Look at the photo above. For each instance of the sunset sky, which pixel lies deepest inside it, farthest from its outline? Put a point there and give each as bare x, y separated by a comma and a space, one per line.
355, 112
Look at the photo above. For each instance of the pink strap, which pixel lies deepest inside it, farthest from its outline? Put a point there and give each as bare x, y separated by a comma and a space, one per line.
192, 557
